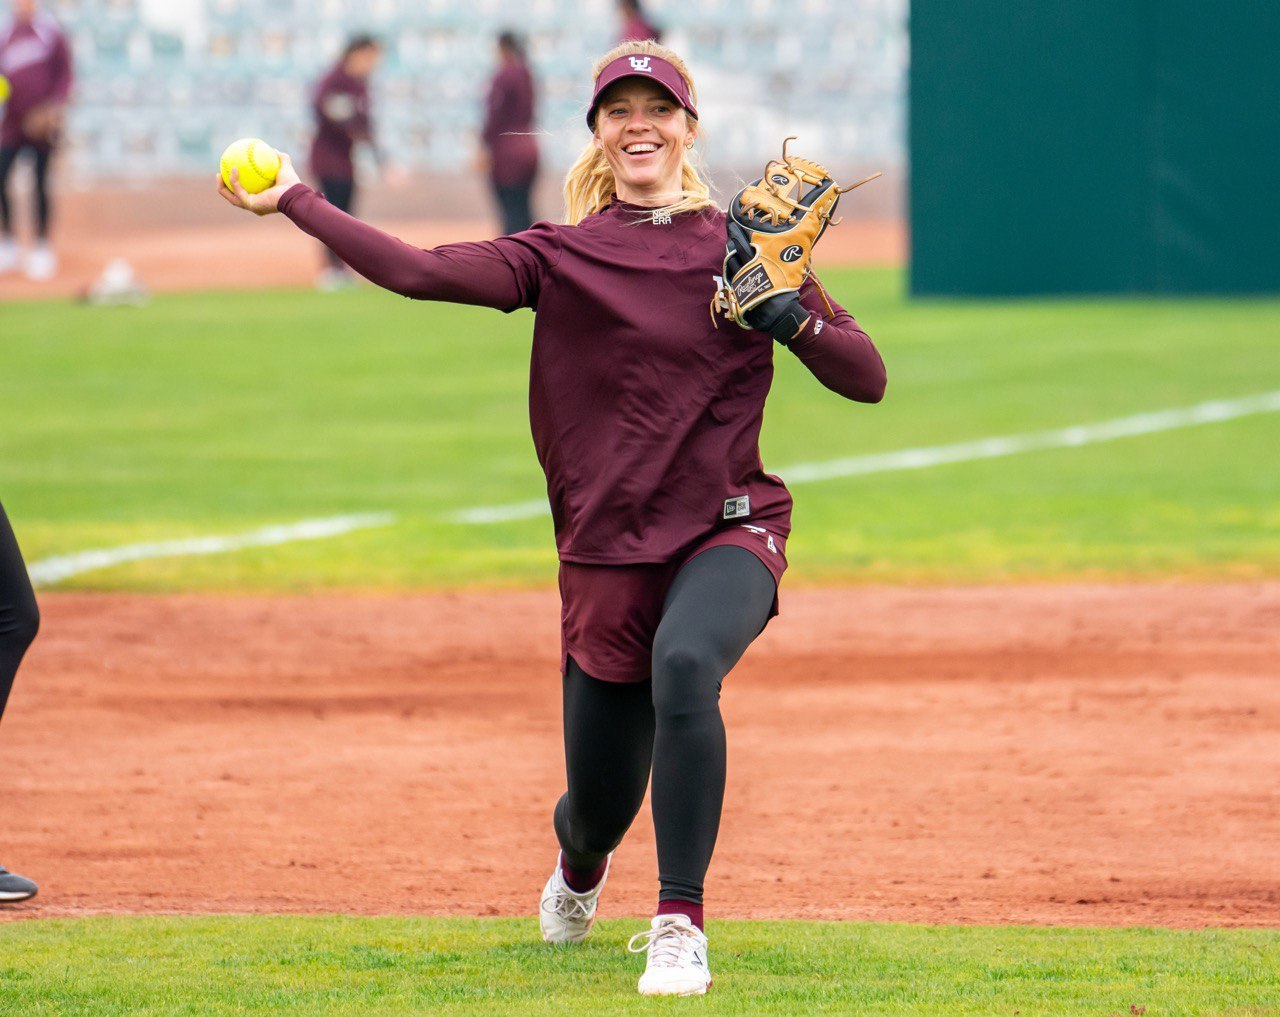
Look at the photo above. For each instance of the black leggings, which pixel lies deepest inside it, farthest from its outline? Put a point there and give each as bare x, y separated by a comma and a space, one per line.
8, 156
340, 192
613, 731
19, 617
513, 205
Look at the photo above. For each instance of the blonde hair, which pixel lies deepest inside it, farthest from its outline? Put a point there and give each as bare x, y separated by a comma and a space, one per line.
589, 184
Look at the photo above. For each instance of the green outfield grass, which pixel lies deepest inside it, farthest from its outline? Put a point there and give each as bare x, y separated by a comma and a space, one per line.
340, 965
222, 412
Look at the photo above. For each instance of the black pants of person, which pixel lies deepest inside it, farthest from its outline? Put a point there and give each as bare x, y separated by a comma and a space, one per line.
40, 157
513, 207
614, 731
19, 617
340, 192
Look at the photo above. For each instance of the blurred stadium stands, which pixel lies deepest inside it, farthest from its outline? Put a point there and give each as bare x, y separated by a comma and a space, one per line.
163, 85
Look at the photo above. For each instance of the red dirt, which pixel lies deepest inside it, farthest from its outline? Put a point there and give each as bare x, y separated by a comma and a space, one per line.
1058, 754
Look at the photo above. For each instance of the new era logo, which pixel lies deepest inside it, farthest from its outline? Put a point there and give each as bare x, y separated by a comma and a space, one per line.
640, 64
736, 508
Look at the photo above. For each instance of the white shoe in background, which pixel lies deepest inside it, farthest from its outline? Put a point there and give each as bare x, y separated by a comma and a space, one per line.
335, 280
677, 962
42, 263
10, 255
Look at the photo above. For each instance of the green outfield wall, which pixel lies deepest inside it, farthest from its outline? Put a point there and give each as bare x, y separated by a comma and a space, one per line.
1095, 146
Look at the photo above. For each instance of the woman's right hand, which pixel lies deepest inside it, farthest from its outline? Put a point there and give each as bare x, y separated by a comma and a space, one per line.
264, 202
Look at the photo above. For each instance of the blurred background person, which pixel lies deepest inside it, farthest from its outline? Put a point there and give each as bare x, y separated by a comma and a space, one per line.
635, 25
19, 621
343, 115
35, 57
509, 151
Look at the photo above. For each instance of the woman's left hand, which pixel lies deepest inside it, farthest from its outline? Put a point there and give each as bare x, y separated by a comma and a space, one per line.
264, 202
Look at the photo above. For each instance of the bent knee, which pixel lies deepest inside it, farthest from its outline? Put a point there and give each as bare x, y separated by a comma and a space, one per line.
19, 623
686, 680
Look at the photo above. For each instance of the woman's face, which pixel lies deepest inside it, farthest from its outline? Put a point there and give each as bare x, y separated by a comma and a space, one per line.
363, 62
643, 132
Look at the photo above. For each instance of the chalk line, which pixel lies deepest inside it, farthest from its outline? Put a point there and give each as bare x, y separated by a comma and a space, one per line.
53, 570
1210, 412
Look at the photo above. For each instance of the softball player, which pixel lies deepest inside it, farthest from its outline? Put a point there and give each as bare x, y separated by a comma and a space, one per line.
646, 416
36, 58
342, 109
19, 619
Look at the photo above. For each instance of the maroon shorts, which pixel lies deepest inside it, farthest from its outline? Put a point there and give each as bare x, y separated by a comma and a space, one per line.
609, 614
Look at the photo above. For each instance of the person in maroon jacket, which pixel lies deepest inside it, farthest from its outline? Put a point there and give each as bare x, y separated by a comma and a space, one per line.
342, 109
635, 26
510, 152
35, 57
646, 417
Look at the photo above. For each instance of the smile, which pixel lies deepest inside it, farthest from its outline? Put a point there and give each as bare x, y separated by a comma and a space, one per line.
640, 148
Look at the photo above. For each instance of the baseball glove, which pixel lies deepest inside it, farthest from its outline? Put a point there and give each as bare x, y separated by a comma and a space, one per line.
773, 225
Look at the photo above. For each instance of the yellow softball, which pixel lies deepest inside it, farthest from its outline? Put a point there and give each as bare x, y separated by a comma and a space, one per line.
257, 162
5, 88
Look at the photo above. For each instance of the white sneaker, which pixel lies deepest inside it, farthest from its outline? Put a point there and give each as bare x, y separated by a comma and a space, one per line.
10, 255
335, 280
565, 915
677, 964
42, 263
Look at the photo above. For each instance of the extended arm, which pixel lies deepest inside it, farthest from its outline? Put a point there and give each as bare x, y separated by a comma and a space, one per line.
504, 273
836, 350
473, 273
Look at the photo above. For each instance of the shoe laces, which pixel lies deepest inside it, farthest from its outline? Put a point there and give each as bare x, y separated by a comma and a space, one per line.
567, 905
670, 944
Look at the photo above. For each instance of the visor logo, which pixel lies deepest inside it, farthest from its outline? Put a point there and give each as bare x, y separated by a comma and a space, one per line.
640, 64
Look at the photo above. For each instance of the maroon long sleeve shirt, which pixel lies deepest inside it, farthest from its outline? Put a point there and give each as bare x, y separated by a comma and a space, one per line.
36, 58
508, 123
341, 106
645, 413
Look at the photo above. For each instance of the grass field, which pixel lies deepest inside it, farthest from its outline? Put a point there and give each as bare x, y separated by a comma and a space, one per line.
219, 413
340, 965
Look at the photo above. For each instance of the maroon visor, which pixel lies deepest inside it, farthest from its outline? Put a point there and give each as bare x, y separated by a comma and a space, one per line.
642, 65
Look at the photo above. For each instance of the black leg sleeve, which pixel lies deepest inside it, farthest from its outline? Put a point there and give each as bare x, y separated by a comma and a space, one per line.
19, 617
8, 156
608, 742
340, 193
717, 605
44, 205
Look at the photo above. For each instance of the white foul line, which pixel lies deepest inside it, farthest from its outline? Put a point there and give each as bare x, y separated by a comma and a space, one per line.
53, 570
502, 513
965, 451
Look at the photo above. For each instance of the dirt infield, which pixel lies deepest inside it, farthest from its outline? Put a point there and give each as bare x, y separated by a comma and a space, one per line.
1061, 754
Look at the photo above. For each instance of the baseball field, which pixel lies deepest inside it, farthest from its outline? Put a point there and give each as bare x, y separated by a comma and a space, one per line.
289, 739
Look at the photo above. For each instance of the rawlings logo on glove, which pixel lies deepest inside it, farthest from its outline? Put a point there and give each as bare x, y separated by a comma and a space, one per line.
773, 225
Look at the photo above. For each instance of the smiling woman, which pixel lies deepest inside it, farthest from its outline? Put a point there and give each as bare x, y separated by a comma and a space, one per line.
646, 417
644, 123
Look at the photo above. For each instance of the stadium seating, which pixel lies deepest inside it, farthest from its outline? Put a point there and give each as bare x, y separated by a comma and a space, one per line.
162, 84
